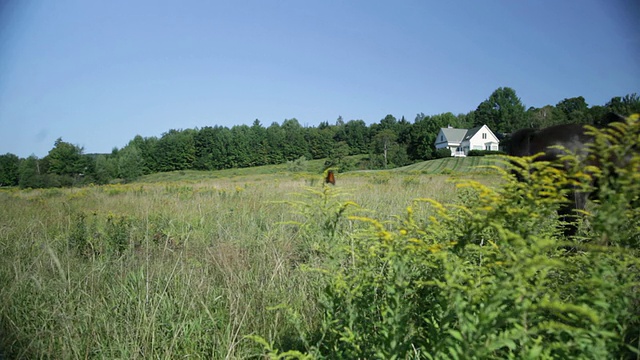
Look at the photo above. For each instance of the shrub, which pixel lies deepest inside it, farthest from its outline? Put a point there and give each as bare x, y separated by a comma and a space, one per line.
489, 277
485, 152
297, 165
442, 153
320, 221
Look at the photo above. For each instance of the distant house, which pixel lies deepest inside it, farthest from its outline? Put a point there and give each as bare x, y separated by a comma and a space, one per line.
461, 141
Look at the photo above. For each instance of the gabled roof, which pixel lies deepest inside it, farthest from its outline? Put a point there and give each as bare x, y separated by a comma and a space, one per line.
454, 135
472, 132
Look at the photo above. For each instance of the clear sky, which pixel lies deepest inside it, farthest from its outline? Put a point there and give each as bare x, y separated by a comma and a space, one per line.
98, 73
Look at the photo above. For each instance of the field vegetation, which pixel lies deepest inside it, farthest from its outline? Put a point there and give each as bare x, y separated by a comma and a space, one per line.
160, 268
409, 263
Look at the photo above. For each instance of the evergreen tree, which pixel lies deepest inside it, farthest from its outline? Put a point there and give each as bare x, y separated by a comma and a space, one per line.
175, 150
294, 145
276, 137
65, 159
9, 170
356, 136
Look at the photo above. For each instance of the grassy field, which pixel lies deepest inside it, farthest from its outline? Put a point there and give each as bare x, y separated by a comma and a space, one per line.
449, 165
183, 264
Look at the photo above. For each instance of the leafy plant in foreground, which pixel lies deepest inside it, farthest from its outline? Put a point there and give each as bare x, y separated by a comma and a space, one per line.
321, 219
489, 277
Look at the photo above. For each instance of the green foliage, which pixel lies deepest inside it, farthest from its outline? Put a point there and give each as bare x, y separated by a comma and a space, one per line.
147, 148
484, 152
65, 159
389, 143
615, 220
321, 220
384, 142
294, 144
92, 235
79, 235
320, 142
545, 116
489, 277
106, 168
625, 106
33, 173
118, 233
337, 156
297, 165
206, 264
449, 164
175, 150
574, 109
501, 112
356, 134
9, 170
212, 146
421, 138
130, 163
442, 153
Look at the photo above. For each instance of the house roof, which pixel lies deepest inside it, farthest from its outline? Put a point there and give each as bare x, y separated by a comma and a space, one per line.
454, 135
472, 132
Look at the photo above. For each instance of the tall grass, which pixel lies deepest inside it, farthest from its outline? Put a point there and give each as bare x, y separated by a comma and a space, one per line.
490, 276
171, 269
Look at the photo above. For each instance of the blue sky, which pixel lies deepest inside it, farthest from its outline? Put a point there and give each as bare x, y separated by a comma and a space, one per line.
97, 73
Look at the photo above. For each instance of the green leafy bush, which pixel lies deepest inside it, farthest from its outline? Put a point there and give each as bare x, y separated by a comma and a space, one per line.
442, 153
297, 165
489, 277
485, 152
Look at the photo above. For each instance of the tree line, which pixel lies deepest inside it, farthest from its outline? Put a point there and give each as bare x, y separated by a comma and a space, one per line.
387, 143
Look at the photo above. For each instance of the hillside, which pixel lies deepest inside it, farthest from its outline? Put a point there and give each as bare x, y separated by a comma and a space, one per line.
475, 164
450, 165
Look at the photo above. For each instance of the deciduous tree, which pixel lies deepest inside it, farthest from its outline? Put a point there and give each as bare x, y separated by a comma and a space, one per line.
575, 110
626, 105
383, 142
502, 111
130, 163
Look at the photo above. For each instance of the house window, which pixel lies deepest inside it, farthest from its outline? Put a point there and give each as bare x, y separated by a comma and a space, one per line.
441, 137
484, 135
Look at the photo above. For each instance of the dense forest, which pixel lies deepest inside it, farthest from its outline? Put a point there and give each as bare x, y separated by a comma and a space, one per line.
388, 143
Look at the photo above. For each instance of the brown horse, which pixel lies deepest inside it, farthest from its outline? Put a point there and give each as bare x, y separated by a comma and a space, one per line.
572, 137
331, 178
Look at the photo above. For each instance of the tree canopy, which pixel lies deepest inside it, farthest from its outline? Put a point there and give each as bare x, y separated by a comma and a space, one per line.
387, 143
501, 112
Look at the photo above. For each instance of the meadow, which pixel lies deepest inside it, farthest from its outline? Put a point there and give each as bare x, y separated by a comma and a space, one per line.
184, 265
269, 262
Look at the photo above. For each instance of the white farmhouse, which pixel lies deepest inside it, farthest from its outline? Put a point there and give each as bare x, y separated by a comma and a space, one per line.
461, 141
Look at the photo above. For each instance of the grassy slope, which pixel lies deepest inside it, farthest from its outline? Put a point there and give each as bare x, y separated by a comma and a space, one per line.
445, 166
472, 164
